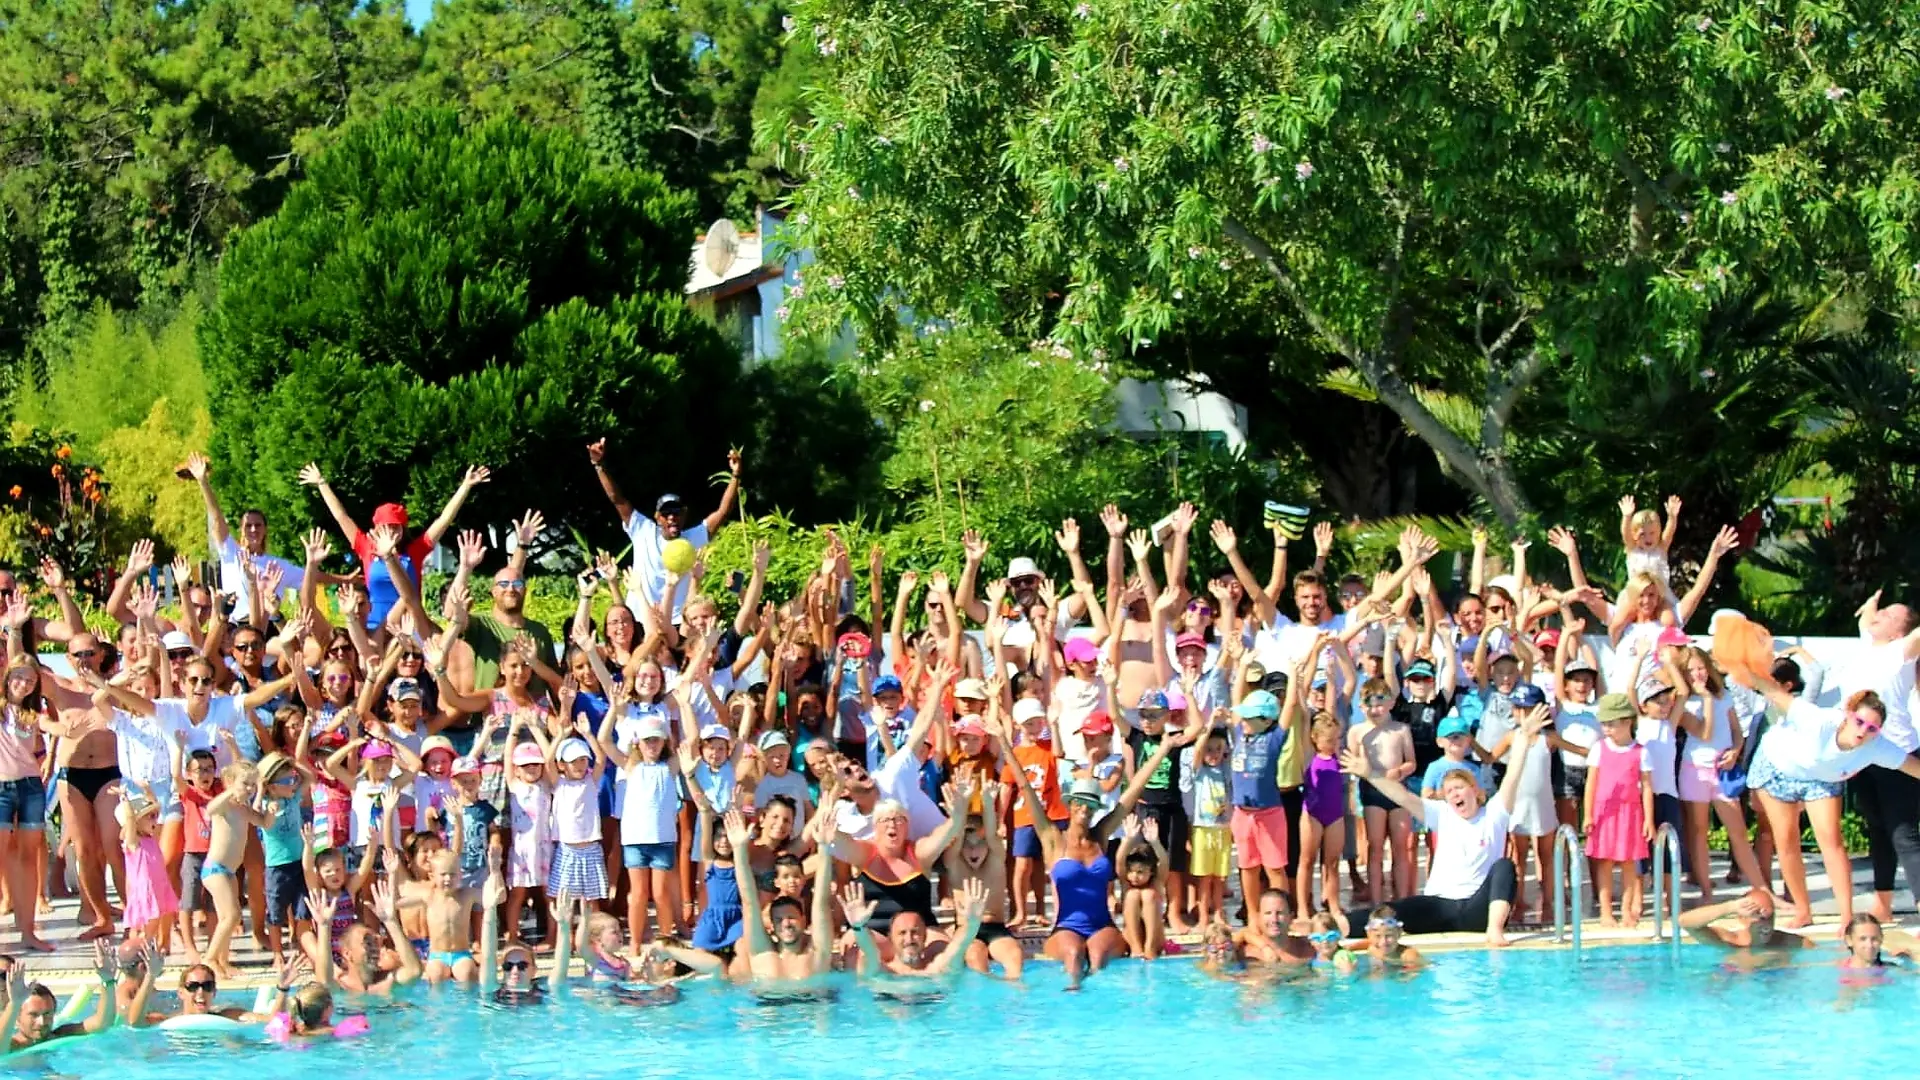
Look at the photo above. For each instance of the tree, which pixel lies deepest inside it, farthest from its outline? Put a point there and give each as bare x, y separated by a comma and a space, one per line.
1454, 198
433, 296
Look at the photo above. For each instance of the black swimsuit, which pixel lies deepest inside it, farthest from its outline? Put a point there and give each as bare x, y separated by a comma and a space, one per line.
889, 899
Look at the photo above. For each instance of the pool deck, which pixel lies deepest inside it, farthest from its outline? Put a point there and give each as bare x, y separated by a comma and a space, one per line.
71, 964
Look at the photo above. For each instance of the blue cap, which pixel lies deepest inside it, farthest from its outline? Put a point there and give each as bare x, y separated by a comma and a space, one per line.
885, 683
1527, 696
1259, 703
1153, 699
1455, 725
1419, 669
1320, 681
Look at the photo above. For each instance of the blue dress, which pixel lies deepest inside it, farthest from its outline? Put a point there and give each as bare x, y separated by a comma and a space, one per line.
720, 922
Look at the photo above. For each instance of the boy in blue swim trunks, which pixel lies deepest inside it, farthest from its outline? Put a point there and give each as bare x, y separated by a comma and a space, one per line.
231, 815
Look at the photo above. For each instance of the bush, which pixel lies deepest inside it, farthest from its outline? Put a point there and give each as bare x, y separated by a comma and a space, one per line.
433, 296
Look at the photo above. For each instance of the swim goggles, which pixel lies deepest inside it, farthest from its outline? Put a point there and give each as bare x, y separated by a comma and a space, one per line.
1383, 924
1324, 937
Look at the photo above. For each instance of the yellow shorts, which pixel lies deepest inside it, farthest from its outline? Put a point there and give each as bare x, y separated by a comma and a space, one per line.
1212, 851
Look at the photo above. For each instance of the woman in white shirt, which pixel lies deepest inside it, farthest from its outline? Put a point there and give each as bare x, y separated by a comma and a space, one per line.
1803, 762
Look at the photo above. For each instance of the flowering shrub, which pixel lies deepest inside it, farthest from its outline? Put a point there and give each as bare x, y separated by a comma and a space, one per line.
58, 506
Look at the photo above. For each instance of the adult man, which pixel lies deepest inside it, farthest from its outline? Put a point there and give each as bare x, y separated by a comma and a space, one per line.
908, 933
1755, 929
898, 778
253, 541
1888, 798
489, 634
382, 594
1270, 938
788, 956
650, 535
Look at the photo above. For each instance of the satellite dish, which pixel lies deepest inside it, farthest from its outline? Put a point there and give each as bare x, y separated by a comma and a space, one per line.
722, 246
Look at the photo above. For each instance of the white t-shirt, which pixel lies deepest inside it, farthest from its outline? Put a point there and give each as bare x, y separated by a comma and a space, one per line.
1282, 646
647, 545
1464, 849
233, 581
1803, 746
791, 784
1657, 737
223, 714
1885, 670
649, 804
1706, 753
1073, 701
142, 746
899, 780
576, 811
1577, 725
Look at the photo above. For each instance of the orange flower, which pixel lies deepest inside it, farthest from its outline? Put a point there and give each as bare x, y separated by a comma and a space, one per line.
64, 453
15, 491
45, 532
58, 472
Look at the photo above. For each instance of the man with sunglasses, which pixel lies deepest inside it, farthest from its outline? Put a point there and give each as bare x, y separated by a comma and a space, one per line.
252, 541
87, 774
650, 535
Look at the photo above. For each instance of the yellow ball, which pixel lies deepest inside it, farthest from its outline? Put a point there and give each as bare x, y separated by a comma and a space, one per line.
677, 555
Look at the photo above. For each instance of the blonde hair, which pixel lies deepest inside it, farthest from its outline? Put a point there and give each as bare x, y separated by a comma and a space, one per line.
1323, 921
889, 808
1324, 723
1716, 683
1643, 518
1461, 774
240, 772
310, 1003
599, 922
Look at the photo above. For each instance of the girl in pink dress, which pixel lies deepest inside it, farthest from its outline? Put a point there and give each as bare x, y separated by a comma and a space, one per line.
151, 901
1619, 800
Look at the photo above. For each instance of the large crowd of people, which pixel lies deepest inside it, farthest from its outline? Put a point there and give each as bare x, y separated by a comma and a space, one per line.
841, 779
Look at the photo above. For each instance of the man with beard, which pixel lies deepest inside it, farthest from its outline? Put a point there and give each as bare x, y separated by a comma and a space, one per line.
651, 535
797, 952
489, 634
1270, 938
908, 934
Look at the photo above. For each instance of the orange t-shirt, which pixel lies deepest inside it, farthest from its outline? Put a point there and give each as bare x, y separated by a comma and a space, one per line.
1042, 766
980, 768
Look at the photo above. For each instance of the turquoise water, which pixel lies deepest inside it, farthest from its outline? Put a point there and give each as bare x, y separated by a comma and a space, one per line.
1624, 1013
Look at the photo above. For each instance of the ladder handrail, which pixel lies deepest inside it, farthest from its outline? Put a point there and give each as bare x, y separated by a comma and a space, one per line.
1666, 838
1566, 838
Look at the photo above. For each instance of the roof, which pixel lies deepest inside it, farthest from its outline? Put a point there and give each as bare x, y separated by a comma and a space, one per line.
745, 270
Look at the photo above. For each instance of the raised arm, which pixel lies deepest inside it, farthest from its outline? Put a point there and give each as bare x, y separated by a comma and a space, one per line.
475, 476
597, 454
1725, 541
1068, 537
1356, 764
1264, 607
728, 497
965, 598
1528, 730
311, 476
1141, 774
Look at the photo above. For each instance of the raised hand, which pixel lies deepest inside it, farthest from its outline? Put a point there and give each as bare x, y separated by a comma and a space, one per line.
1673, 506
1130, 828
1150, 830
294, 969
144, 600
51, 575
386, 540
318, 546
996, 594
1223, 537
940, 586
105, 964
384, 903
197, 465
1420, 581
1323, 538
1562, 540
347, 598
311, 476
1114, 520
733, 462
973, 900
1355, 765
1626, 506
974, 545
1068, 536
597, 451
855, 905
1183, 518
737, 832
1536, 719
528, 528
1725, 541
140, 559
472, 547
1139, 543
909, 581
476, 474
763, 557
319, 908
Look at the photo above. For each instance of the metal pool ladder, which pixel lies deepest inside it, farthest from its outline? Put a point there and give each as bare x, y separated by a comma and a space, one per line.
1566, 839
1666, 839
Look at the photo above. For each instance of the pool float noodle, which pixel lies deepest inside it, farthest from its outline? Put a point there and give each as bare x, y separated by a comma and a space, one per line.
75, 1005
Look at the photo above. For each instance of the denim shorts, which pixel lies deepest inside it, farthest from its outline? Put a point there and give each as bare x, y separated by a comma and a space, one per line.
23, 803
648, 856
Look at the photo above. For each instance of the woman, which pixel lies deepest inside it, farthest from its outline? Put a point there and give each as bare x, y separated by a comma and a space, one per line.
1084, 937
894, 869
1468, 887
23, 796
1804, 761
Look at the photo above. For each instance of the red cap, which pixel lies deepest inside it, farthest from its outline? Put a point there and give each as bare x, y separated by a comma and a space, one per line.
1548, 639
1097, 724
390, 514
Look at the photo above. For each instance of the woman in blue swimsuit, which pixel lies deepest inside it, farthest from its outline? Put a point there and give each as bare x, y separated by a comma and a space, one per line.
1084, 937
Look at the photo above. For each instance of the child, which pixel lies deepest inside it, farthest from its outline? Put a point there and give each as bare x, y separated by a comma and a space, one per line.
282, 844
1619, 801
330, 897
1323, 823
1325, 939
1383, 940
1456, 748
1388, 746
577, 865
1530, 837
1143, 888
386, 772
1203, 784
529, 820
151, 901
1106, 766
470, 818
721, 917
1647, 543
600, 947
232, 813
1076, 696
1035, 757
649, 787
412, 867
197, 779
1160, 801
434, 786
449, 911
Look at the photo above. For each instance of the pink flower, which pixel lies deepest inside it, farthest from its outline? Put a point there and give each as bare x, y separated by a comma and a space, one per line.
1728, 198
781, 313
1120, 165
828, 47
1261, 144
797, 291
1303, 170
835, 281
1082, 11
1835, 93
1705, 24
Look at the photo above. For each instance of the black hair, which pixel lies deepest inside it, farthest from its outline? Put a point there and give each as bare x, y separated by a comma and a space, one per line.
1143, 858
1022, 682
1786, 672
787, 900
788, 859
203, 755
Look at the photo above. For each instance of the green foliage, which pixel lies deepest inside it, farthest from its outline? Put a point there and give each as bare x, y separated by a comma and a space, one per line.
57, 505
816, 450
453, 295
109, 369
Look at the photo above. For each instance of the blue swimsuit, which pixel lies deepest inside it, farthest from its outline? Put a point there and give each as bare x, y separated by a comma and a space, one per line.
1081, 891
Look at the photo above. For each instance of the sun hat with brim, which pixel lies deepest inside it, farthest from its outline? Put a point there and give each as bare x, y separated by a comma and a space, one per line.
1022, 567
437, 742
969, 725
1260, 703
1581, 666
653, 728
970, 689
273, 765
1615, 708
716, 731
772, 739
176, 640
1086, 790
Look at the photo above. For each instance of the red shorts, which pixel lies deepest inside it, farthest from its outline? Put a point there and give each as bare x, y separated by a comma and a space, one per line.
1260, 837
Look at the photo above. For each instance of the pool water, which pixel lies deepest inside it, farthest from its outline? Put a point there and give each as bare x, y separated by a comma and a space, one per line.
1619, 1012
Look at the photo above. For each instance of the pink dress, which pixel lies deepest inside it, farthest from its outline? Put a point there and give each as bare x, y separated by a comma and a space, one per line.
150, 892
1619, 822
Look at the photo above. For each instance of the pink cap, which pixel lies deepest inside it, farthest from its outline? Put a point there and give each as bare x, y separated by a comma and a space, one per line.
1081, 651
1189, 639
1673, 635
969, 725
1176, 701
528, 754
465, 766
375, 750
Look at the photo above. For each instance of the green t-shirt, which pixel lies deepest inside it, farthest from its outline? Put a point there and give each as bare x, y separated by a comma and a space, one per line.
489, 638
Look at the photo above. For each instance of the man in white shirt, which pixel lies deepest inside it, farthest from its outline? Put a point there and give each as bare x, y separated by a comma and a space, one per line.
253, 540
1889, 799
651, 535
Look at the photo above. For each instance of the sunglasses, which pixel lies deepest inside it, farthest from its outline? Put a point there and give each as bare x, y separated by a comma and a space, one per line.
516, 965
246, 646
339, 678
405, 656
1377, 699
199, 680
84, 654
1324, 937
195, 986
339, 650
1383, 924
515, 585
179, 654
1871, 727
1200, 609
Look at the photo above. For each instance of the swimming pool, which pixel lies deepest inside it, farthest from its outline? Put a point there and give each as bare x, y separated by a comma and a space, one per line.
1621, 1012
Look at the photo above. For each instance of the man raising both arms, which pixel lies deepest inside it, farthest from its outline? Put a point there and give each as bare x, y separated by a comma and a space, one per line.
252, 542
793, 955
650, 535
